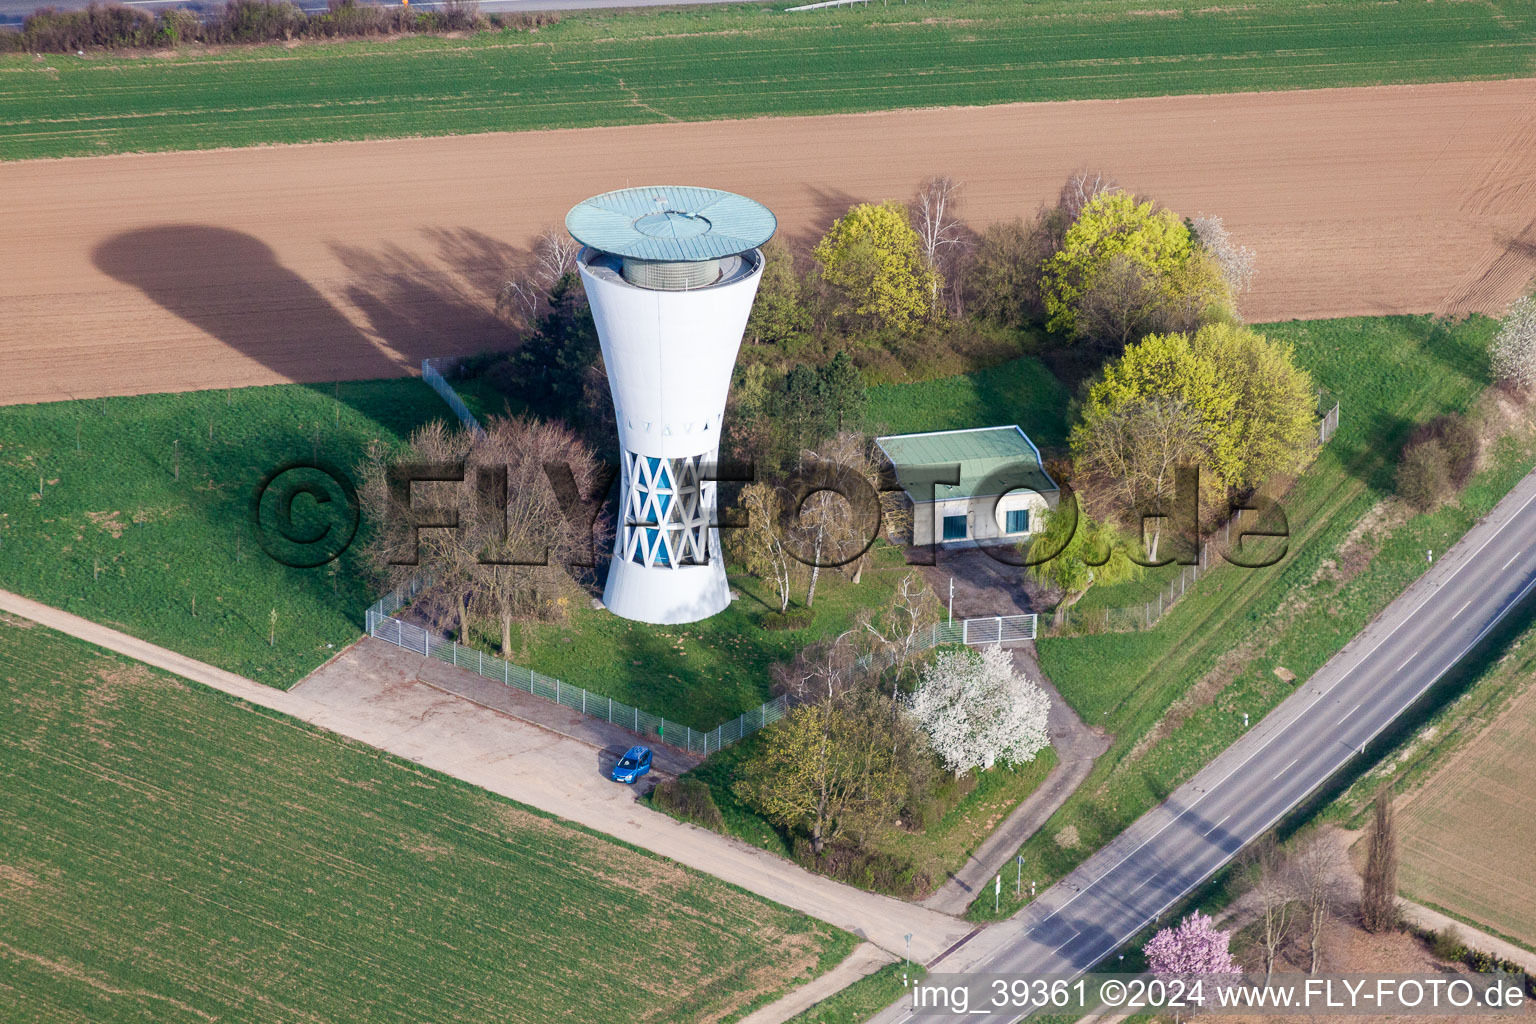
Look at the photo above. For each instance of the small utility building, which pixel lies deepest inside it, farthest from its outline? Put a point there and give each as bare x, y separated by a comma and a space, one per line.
986, 485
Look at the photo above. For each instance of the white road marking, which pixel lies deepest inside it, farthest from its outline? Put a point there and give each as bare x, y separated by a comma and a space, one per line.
1213, 828
1351, 711
1405, 664
1282, 771
1462, 608
1511, 561
1470, 559
1068, 942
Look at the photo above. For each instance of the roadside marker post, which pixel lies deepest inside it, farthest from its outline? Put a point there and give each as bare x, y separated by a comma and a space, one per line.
997, 893
1018, 876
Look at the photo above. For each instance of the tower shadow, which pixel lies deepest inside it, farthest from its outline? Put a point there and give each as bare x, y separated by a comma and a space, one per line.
231, 285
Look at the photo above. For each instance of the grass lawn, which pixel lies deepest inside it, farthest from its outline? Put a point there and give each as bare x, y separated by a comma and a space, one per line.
975, 809
173, 855
142, 518
1223, 642
1021, 391
864, 998
703, 63
703, 673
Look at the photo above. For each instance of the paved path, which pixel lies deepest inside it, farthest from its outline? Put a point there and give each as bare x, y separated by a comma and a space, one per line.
1077, 747
863, 961
1266, 773
368, 697
1474, 938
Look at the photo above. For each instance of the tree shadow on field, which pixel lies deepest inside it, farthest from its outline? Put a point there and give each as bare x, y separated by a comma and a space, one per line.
829, 205
438, 305
231, 285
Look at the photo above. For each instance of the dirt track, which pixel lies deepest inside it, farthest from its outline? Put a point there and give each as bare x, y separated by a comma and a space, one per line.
132, 274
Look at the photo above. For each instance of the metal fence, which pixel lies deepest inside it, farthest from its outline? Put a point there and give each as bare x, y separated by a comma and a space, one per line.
432, 371
1328, 424
381, 623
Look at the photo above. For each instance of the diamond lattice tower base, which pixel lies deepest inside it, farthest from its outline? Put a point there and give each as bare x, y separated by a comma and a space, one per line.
670, 273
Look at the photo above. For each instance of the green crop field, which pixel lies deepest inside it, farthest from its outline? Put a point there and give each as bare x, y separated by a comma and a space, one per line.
171, 854
703, 63
135, 512
1219, 647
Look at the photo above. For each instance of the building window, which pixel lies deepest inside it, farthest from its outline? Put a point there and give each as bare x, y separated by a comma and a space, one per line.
1017, 520
954, 527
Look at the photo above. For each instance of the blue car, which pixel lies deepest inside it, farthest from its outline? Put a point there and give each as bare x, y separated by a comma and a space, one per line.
635, 763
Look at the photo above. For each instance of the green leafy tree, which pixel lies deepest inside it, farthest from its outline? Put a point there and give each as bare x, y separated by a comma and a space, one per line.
1075, 552
1003, 272
1274, 418
829, 770
1152, 244
548, 371
799, 418
1254, 406
778, 313
874, 261
842, 390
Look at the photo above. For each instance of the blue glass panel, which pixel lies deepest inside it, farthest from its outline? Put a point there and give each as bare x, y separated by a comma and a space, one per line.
954, 527
652, 462
1018, 520
664, 477
664, 502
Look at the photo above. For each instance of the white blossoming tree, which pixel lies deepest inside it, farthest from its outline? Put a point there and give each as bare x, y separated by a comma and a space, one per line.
1514, 350
978, 711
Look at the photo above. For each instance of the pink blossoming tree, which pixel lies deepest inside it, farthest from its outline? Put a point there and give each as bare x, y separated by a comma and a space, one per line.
1196, 946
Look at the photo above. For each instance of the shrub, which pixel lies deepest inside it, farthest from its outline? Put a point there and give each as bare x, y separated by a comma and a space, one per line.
1458, 438
1446, 944
795, 618
876, 871
688, 799
1424, 475
110, 25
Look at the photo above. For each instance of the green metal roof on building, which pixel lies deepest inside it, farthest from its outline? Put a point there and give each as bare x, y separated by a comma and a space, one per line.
671, 223
992, 460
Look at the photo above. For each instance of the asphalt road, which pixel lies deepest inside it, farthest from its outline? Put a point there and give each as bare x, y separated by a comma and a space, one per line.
1253, 784
13, 11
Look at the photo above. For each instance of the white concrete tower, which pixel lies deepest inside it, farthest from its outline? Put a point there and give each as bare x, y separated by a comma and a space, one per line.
670, 273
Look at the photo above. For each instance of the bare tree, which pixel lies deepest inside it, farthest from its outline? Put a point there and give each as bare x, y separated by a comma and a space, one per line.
1318, 864
1123, 302
934, 213
823, 671
833, 529
1378, 893
512, 554
758, 544
1130, 455
1079, 190
528, 549
1276, 891
524, 294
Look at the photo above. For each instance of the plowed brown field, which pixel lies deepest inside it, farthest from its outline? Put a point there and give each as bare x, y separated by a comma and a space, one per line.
164, 272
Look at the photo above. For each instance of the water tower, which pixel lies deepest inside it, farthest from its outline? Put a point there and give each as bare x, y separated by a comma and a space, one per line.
670, 272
